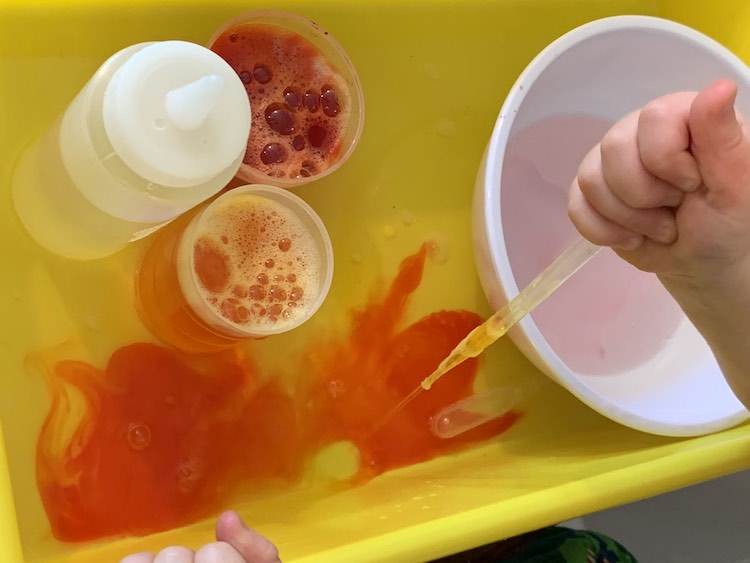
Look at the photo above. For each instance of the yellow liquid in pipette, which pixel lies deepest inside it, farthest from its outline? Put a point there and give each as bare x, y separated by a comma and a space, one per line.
474, 344
471, 346
564, 266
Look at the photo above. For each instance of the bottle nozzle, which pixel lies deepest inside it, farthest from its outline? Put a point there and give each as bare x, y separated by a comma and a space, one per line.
188, 106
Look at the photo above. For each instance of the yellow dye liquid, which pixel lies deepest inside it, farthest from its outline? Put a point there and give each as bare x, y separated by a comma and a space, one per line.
410, 181
378, 209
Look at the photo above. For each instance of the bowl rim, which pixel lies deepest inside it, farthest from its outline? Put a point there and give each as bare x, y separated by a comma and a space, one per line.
493, 223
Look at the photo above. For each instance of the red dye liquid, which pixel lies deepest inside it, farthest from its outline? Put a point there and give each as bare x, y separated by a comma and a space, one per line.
166, 440
300, 103
161, 444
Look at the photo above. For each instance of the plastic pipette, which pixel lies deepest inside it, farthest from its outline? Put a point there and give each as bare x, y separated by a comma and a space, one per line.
468, 413
564, 266
552, 277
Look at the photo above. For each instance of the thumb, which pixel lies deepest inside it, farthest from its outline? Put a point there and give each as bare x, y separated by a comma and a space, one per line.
250, 544
718, 141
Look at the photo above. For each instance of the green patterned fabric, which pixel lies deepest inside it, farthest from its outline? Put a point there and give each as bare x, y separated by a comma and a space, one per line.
548, 545
563, 545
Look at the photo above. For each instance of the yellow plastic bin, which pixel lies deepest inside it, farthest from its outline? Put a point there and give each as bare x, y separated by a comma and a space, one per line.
434, 74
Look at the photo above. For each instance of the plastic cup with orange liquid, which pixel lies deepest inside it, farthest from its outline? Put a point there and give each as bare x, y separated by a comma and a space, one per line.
308, 106
255, 262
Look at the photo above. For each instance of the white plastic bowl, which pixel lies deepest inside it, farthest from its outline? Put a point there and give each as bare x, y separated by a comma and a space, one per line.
611, 334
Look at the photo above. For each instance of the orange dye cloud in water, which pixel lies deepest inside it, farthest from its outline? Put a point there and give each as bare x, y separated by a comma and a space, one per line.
167, 439
359, 380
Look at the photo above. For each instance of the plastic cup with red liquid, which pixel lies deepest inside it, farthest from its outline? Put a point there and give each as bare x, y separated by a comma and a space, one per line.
305, 95
256, 261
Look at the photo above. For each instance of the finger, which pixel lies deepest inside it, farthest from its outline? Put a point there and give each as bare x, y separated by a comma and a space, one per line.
719, 142
663, 140
595, 227
219, 552
175, 554
625, 172
139, 558
657, 223
254, 547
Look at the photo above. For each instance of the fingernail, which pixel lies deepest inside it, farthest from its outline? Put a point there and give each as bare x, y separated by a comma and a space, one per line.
674, 198
241, 521
666, 234
689, 184
630, 244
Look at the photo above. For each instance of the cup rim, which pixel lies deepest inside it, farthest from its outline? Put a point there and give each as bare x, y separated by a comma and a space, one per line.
318, 35
297, 206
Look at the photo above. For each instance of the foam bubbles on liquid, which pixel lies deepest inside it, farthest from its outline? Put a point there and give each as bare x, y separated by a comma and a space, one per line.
256, 264
437, 249
304, 102
139, 436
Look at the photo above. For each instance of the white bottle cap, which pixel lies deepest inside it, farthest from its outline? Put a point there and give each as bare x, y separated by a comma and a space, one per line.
188, 106
177, 114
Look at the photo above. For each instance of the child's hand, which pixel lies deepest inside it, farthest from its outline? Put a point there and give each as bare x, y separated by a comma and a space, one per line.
235, 544
669, 188
215, 552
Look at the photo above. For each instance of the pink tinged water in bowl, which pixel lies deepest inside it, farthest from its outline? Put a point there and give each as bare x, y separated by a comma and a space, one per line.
609, 317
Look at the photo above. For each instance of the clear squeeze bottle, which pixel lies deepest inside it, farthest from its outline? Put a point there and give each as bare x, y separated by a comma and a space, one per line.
159, 128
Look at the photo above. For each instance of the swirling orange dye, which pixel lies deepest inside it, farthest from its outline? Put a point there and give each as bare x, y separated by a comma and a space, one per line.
169, 439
